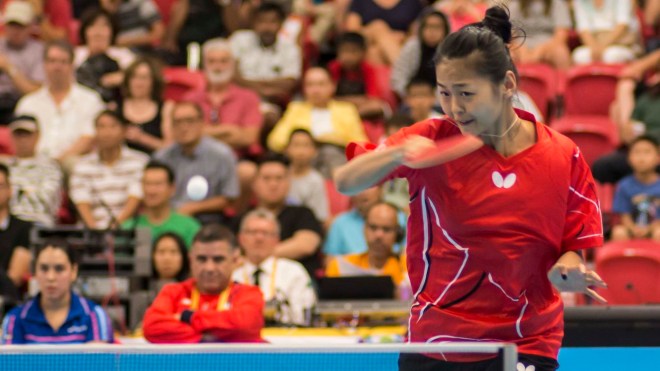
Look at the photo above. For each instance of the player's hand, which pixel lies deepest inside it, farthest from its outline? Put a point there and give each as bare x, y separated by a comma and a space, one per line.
576, 278
413, 148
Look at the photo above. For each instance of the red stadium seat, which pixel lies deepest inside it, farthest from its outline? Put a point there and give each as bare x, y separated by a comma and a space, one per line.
631, 270
540, 82
165, 9
6, 144
179, 80
383, 73
590, 89
338, 202
595, 135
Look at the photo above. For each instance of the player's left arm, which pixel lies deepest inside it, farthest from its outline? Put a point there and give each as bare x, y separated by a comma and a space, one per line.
583, 229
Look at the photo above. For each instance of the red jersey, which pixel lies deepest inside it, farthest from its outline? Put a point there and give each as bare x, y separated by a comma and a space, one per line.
240, 320
483, 232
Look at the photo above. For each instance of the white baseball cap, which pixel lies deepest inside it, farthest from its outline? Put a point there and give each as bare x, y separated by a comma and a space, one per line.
19, 12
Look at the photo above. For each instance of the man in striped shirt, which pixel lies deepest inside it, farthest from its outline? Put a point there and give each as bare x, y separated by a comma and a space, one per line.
105, 185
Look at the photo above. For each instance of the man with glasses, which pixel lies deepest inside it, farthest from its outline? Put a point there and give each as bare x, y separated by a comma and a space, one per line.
206, 179
381, 231
283, 282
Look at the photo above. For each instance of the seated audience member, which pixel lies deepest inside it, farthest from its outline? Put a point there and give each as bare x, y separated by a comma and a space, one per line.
395, 191
381, 231
416, 58
300, 232
201, 164
356, 79
231, 112
267, 64
54, 18
208, 307
144, 108
21, 58
307, 184
385, 24
546, 25
420, 100
64, 109
15, 256
283, 282
196, 21
99, 64
139, 23
158, 188
637, 197
56, 315
462, 12
105, 185
633, 115
169, 260
36, 179
608, 30
346, 234
332, 123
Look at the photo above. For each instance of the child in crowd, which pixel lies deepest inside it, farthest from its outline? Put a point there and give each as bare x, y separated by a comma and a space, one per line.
637, 196
420, 99
307, 184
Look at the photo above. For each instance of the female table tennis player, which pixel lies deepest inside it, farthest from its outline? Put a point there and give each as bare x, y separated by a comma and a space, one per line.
489, 232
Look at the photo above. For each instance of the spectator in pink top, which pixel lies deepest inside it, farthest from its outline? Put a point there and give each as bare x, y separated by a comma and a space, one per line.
231, 112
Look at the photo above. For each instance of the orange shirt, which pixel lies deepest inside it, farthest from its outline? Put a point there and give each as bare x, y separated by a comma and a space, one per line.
394, 267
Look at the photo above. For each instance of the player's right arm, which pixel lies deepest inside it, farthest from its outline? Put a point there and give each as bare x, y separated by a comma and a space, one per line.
369, 169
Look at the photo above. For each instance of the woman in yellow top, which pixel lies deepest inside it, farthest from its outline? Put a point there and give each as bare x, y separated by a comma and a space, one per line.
331, 122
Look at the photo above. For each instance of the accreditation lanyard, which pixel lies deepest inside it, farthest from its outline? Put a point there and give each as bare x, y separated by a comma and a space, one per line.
223, 298
247, 280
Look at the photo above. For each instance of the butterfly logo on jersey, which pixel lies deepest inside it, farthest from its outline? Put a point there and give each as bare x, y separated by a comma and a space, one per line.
503, 182
521, 367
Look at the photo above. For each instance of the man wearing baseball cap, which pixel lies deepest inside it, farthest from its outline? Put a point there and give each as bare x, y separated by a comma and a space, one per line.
21, 57
36, 180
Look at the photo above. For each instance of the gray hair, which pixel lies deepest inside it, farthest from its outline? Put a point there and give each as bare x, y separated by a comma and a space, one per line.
217, 43
261, 213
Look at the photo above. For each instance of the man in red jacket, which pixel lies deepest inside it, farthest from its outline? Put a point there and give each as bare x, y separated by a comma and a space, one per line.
208, 307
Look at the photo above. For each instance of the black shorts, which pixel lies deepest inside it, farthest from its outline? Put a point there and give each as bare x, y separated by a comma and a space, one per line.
420, 362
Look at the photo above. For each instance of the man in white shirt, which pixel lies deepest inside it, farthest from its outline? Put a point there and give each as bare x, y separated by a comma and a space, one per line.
283, 282
64, 109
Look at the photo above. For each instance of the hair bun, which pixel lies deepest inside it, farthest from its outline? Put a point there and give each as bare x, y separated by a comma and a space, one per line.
497, 20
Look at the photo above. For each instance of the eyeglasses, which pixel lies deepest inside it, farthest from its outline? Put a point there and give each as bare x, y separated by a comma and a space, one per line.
186, 121
255, 232
385, 229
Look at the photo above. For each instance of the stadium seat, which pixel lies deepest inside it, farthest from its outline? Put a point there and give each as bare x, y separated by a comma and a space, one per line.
386, 93
540, 82
590, 89
595, 135
165, 9
6, 144
179, 80
338, 202
631, 270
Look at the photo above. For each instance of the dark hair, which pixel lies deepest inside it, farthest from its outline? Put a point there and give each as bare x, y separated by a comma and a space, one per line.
183, 250
113, 114
268, 7
418, 81
304, 132
158, 84
398, 121
352, 38
157, 165
273, 157
90, 16
215, 232
489, 38
4, 169
193, 104
646, 138
428, 13
58, 243
59, 44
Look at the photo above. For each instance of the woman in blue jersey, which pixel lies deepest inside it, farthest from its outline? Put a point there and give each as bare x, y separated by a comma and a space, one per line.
56, 315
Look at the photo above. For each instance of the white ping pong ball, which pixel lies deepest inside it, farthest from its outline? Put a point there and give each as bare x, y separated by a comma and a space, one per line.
197, 188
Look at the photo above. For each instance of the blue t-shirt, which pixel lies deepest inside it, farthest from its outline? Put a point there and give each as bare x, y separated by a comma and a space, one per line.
639, 200
86, 322
346, 234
